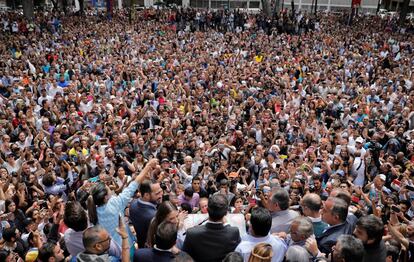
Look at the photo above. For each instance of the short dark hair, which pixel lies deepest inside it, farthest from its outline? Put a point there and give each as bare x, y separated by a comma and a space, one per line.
145, 187
217, 207
233, 257
340, 208
406, 202
317, 177
261, 221
189, 192
166, 235
9, 233
312, 201
393, 251
373, 226
75, 216
196, 178
281, 197
352, 249
46, 251
48, 179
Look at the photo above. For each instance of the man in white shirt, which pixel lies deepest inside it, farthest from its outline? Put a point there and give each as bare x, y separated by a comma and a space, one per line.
261, 222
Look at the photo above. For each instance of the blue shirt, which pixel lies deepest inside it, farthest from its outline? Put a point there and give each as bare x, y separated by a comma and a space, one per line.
249, 242
108, 213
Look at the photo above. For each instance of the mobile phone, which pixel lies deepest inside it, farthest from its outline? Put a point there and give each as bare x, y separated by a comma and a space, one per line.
355, 199
395, 209
411, 188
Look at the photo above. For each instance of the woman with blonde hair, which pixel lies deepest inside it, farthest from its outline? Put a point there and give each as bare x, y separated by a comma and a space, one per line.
262, 252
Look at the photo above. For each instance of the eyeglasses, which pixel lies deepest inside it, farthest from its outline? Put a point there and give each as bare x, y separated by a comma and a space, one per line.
108, 239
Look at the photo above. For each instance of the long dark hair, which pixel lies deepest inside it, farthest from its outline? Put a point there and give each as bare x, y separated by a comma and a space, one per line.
96, 198
163, 211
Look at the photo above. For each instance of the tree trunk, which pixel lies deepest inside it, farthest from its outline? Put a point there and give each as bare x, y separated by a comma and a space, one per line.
404, 11
266, 7
28, 9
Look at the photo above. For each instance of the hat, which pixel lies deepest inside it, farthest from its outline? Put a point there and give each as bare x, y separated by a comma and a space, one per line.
382, 177
233, 174
57, 145
76, 140
164, 160
64, 126
32, 255
359, 140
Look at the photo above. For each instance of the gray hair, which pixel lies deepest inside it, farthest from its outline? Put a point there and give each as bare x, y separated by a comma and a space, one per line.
297, 253
312, 201
305, 226
339, 208
91, 236
281, 197
352, 249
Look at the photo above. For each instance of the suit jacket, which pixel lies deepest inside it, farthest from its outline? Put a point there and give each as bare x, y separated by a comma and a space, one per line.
328, 238
141, 213
152, 255
211, 242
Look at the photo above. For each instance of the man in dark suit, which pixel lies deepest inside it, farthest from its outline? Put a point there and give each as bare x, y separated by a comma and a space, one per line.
143, 210
165, 239
213, 241
334, 213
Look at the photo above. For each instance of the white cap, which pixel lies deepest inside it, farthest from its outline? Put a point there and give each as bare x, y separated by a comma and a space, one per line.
382, 177
359, 140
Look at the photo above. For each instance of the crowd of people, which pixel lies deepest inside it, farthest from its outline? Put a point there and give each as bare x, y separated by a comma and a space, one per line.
113, 132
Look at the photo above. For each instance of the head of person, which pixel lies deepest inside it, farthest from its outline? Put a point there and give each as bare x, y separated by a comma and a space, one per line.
75, 216
261, 222
50, 252
262, 252
311, 205
296, 253
369, 229
342, 194
195, 184
166, 235
217, 207
96, 240
279, 200
393, 253
348, 249
334, 211
301, 228
151, 192
317, 181
165, 212
188, 193
233, 257
203, 204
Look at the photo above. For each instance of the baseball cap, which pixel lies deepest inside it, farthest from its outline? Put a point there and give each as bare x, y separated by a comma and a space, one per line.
359, 140
382, 177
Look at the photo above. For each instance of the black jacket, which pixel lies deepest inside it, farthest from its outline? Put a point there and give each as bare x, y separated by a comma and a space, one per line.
211, 242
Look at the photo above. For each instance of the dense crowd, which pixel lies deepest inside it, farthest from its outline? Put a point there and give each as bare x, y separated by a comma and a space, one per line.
114, 131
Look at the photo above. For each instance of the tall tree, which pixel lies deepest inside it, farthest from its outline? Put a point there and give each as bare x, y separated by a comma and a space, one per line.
404, 11
266, 7
28, 9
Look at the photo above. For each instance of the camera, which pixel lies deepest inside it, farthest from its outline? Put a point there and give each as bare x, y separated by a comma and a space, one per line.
259, 192
163, 186
395, 209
